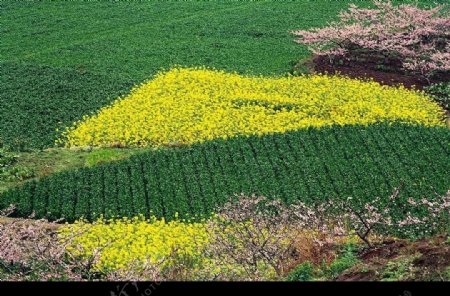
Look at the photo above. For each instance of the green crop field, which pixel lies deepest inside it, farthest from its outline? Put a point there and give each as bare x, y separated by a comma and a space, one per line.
60, 61
309, 165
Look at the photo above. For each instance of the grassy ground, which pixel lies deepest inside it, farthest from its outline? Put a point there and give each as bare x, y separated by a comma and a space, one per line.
50, 161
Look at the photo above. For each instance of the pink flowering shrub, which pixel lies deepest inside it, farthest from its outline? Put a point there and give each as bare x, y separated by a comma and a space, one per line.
263, 237
31, 250
418, 38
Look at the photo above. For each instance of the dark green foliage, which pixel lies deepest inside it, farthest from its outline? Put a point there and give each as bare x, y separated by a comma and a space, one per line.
302, 273
311, 165
54, 195
40, 198
82, 208
7, 159
36, 100
97, 205
138, 188
69, 196
124, 198
341, 263
10, 170
110, 190
151, 179
180, 197
134, 40
440, 93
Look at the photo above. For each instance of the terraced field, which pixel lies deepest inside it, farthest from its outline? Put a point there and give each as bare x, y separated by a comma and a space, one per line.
309, 165
154, 114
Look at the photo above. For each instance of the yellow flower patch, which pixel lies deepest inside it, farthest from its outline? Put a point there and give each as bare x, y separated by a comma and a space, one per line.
183, 106
121, 244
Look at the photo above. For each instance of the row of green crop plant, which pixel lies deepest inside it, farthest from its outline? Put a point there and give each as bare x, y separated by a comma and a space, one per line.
309, 165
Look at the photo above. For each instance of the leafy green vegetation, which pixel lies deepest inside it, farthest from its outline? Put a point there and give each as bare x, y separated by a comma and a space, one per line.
400, 269
311, 165
301, 273
9, 171
440, 93
306, 271
36, 100
134, 41
343, 262
446, 274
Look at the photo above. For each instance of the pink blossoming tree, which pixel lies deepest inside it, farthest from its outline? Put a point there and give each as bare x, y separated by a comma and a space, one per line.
419, 38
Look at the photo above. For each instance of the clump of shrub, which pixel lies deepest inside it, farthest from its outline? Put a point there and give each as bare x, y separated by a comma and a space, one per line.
301, 273
308, 271
344, 261
440, 92
418, 38
7, 159
9, 170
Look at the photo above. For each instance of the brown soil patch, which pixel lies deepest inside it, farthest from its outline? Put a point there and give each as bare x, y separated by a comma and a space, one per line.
390, 74
432, 256
388, 250
20, 221
358, 276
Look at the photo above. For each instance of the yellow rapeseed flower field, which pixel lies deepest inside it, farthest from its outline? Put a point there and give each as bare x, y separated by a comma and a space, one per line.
183, 106
121, 244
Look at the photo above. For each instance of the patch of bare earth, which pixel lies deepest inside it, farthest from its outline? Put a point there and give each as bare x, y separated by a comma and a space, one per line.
430, 258
386, 71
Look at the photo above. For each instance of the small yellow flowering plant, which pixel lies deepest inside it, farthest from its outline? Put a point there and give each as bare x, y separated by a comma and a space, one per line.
121, 243
183, 106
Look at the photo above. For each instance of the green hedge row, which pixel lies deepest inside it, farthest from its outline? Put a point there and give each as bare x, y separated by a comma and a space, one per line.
310, 165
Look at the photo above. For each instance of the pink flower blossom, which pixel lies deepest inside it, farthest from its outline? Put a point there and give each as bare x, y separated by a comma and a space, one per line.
419, 37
